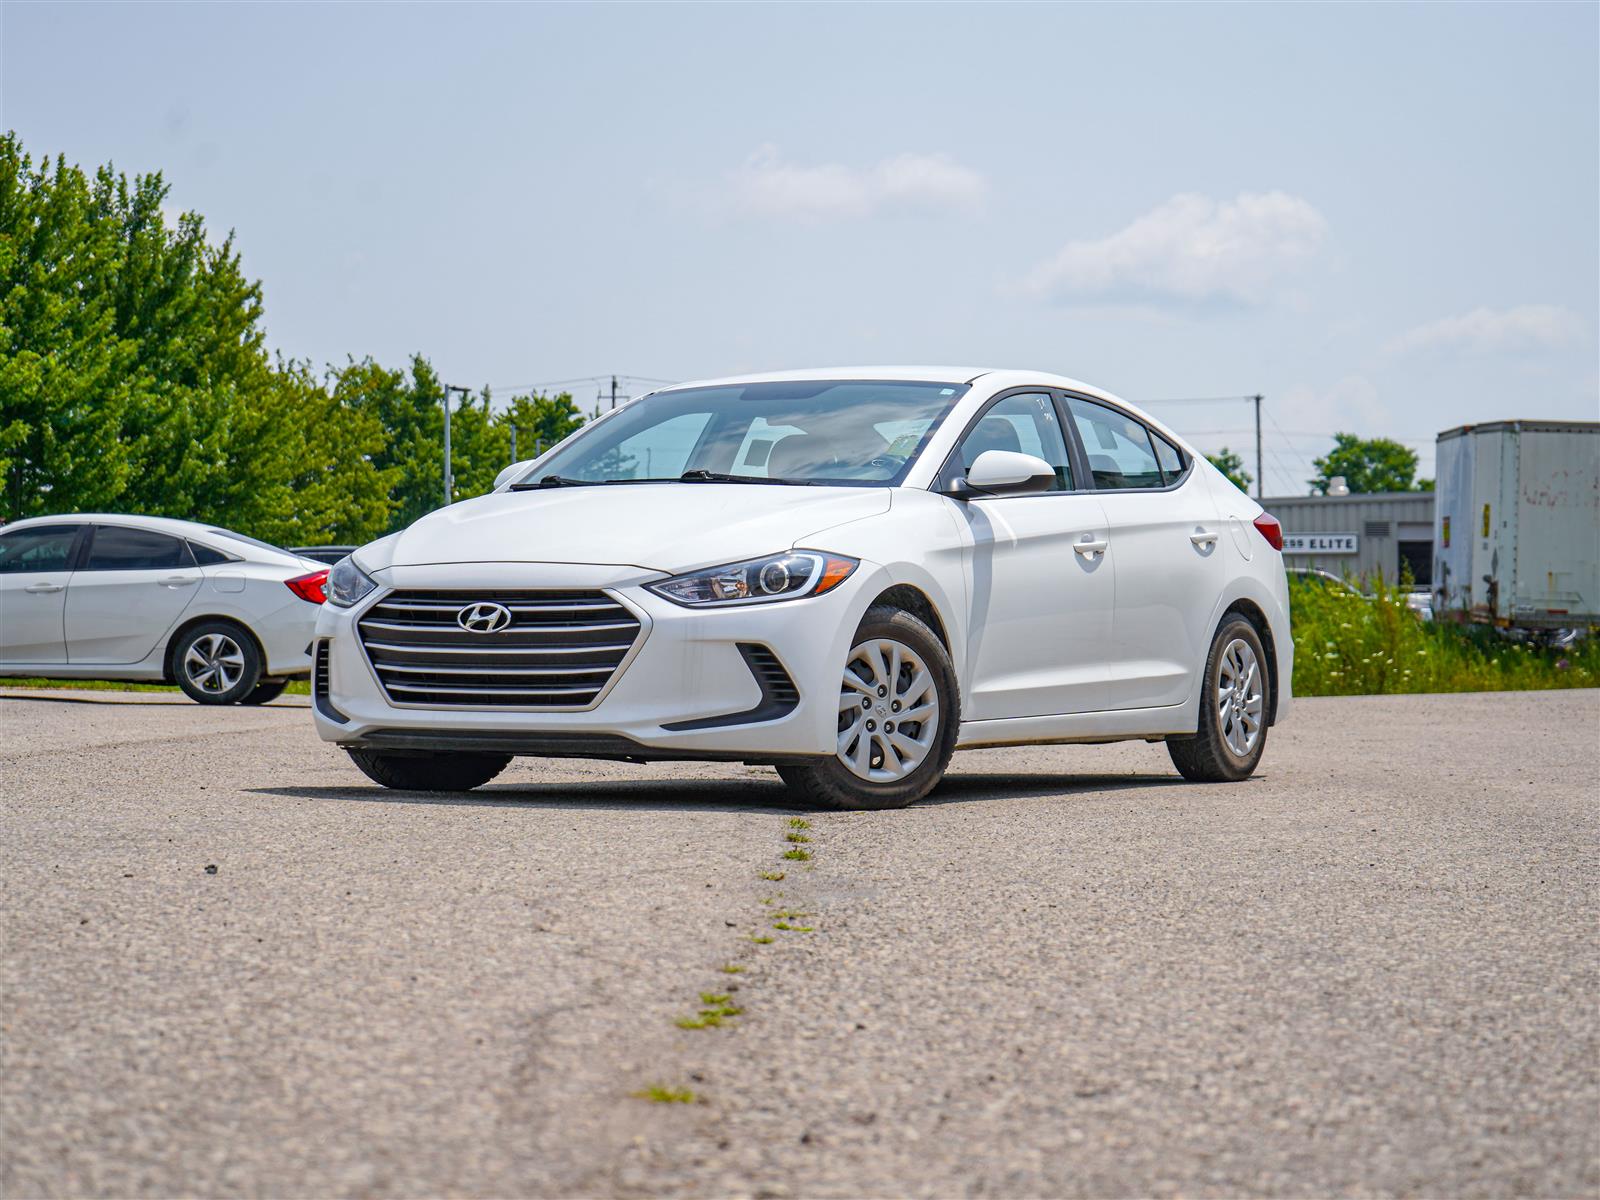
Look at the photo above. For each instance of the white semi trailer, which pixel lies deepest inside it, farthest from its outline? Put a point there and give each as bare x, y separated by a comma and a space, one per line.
1517, 525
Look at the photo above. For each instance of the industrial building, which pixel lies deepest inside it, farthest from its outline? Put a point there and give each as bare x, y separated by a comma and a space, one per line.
1360, 534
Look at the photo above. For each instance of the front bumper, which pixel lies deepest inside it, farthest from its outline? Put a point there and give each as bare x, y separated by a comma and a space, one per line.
686, 690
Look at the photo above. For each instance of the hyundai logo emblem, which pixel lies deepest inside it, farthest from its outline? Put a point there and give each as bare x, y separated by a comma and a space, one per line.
484, 617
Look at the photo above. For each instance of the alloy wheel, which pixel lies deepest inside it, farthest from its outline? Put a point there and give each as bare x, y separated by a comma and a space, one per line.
1239, 697
888, 711
214, 663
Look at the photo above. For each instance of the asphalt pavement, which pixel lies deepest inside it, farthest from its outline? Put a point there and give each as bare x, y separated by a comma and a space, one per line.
231, 966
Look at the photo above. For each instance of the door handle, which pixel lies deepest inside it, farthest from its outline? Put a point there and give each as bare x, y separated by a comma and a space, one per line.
1201, 537
42, 589
1090, 545
177, 581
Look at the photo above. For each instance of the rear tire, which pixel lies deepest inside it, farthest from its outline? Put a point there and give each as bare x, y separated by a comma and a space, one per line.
906, 767
1226, 746
216, 662
445, 772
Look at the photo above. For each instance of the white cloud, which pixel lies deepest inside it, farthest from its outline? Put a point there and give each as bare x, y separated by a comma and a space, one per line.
1192, 248
1526, 327
767, 186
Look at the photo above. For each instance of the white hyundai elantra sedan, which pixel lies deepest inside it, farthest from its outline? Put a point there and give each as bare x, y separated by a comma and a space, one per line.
112, 596
845, 574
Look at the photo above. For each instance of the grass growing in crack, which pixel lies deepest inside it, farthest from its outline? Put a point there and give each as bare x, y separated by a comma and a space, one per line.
795, 837
799, 823
664, 1095
732, 969
788, 928
761, 940
796, 854
716, 1007
772, 876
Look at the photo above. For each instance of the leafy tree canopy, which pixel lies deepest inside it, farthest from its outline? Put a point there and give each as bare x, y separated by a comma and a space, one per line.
134, 377
1369, 465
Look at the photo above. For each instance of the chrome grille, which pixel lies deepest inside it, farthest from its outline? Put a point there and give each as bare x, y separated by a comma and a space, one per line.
559, 650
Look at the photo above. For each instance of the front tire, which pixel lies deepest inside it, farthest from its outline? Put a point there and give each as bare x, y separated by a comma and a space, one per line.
445, 772
217, 662
899, 710
1232, 732
266, 691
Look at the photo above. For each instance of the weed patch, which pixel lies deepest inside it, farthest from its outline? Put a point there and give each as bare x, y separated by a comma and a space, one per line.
664, 1095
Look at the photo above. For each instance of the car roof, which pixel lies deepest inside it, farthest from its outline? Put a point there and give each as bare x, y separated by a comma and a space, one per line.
200, 532
165, 524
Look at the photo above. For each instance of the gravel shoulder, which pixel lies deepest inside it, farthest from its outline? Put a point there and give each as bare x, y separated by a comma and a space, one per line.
1369, 970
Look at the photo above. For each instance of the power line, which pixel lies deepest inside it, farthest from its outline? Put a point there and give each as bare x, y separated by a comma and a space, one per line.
548, 383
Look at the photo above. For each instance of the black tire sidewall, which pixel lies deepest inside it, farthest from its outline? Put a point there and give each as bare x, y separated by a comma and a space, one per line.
248, 679
1234, 627
266, 691
841, 786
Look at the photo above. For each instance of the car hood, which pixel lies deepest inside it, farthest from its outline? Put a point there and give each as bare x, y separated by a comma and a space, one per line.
669, 527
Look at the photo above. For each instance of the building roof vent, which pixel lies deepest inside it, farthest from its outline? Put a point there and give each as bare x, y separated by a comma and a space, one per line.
1376, 529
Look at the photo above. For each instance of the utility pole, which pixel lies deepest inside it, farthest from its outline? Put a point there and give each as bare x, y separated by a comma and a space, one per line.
613, 391
1261, 473
513, 443
449, 478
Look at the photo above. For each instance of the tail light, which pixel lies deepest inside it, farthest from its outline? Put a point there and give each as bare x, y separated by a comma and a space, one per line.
308, 587
1270, 529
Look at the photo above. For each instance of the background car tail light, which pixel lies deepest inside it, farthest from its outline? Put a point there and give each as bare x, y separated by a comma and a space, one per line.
308, 587
1270, 529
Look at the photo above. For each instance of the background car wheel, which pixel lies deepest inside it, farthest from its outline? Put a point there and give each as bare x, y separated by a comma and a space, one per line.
1232, 730
430, 773
217, 663
266, 691
899, 710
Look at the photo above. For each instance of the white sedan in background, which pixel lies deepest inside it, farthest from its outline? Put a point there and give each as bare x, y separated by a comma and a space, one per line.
227, 618
845, 574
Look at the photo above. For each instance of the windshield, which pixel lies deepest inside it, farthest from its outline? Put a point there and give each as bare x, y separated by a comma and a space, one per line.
847, 432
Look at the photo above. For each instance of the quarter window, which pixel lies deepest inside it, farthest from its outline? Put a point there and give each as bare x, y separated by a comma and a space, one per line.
41, 548
116, 548
206, 556
1024, 424
1119, 449
1170, 457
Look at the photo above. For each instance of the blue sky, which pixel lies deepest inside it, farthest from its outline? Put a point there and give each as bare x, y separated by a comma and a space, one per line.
1384, 218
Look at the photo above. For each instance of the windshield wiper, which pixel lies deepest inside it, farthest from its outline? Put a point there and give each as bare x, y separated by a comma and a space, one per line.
551, 481
701, 476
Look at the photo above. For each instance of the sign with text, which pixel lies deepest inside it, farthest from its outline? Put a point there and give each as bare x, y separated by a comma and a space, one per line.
1321, 543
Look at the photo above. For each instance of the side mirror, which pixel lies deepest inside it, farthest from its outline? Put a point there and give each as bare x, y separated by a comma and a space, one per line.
513, 471
1004, 473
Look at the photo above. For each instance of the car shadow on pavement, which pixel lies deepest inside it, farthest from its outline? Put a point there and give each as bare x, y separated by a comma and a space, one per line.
720, 795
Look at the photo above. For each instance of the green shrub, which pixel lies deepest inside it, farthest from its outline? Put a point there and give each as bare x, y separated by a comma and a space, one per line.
1351, 645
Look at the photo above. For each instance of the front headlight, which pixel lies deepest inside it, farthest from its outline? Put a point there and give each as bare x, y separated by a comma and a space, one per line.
347, 583
786, 576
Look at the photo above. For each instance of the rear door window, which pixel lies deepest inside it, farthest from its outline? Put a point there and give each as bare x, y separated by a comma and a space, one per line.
119, 548
1120, 452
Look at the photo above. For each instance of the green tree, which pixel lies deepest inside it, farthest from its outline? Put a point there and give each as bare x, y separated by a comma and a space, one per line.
133, 375
541, 421
1369, 465
1232, 466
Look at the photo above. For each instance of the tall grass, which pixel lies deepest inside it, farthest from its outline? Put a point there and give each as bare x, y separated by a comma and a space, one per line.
1351, 645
